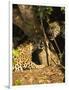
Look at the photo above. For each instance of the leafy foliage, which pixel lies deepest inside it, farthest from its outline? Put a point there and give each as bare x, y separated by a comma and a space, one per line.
63, 9
15, 52
42, 10
46, 12
18, 82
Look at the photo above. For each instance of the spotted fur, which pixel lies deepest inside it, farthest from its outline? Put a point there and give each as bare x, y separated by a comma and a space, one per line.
24, 60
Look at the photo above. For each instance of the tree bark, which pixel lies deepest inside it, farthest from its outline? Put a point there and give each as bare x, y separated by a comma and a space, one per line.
25, 19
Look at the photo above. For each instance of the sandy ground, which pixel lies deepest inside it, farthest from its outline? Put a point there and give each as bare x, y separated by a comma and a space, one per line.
46, 75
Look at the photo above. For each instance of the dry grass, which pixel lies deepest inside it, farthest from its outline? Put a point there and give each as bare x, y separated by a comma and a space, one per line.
51, 74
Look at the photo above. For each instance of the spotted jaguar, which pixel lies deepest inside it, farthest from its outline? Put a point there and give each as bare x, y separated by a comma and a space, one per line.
22, 60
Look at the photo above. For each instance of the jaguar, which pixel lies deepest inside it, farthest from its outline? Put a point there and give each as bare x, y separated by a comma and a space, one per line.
23, 59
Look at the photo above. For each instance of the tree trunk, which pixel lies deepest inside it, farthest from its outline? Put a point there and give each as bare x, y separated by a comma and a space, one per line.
24, 17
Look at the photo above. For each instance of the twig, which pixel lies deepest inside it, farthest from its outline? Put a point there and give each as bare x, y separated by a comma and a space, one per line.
45, 37
56, 45
58, 64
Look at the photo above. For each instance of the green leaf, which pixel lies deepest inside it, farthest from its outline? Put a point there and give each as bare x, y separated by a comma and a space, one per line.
14, 62
15, 52
18, 82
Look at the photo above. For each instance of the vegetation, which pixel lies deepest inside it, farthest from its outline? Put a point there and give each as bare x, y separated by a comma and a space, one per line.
18, 82
15, 52
45, 27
